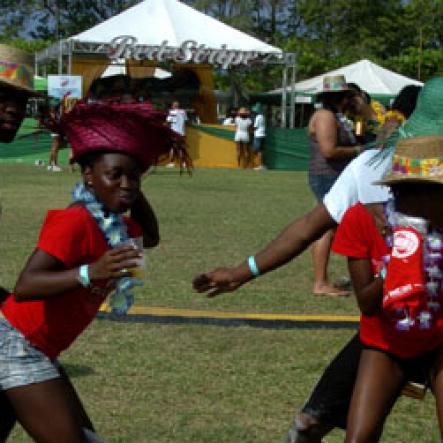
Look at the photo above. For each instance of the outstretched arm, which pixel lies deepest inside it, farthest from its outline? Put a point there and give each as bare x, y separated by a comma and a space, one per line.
290, 243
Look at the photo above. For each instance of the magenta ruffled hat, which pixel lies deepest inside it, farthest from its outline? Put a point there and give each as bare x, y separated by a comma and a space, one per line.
136, 129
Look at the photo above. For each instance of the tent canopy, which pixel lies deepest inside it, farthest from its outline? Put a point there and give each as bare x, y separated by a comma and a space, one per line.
371, 77
154, 21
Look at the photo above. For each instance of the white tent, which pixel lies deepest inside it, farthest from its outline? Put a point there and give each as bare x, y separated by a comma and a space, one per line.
161, 31
154, 21
371, 77
156, 30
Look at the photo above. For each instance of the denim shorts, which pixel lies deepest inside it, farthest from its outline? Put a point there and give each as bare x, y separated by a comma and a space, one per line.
320, 184
257, 143
21, 363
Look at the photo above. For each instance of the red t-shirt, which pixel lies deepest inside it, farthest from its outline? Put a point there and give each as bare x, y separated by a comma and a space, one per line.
72, 236
358, 237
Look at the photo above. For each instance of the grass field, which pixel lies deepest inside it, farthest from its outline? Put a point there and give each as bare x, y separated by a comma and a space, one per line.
189, 383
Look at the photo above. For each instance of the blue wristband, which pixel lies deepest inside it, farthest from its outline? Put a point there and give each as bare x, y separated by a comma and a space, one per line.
382, 273
83, 276
253, 266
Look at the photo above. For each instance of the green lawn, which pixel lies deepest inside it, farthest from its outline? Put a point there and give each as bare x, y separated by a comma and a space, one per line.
190, 383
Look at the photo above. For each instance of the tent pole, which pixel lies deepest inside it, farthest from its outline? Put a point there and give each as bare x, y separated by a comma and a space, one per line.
292, 113
283, 97
60, 58
70, 57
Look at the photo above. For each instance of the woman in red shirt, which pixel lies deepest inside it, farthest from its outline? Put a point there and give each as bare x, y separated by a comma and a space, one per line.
397, 273
81, 257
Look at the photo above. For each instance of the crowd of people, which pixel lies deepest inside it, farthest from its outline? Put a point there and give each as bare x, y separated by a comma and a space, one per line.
391, 236
380, 188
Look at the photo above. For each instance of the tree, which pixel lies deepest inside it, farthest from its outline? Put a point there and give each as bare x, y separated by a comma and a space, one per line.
404, 35
55, 19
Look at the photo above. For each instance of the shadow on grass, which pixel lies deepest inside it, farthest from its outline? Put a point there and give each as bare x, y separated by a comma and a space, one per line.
229, 322
77, 370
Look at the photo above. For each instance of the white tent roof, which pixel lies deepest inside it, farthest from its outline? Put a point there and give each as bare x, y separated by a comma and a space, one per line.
153, 21
371, 77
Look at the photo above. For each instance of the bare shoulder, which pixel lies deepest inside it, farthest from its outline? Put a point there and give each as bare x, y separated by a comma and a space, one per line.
322, 118
324, 115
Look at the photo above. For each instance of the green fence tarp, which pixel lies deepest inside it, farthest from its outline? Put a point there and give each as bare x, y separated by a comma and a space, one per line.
284, 149
29, 126
216, 132
29, 149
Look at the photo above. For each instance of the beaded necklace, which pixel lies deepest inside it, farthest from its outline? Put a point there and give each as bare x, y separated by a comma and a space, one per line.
115, 232
347, 125
432, 262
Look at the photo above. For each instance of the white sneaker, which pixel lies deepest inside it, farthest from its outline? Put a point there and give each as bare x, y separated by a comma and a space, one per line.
56, 168
49, 168
170, 165
260, 168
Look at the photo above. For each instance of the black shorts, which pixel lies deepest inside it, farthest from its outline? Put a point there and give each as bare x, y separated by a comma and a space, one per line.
330, 399
417, 369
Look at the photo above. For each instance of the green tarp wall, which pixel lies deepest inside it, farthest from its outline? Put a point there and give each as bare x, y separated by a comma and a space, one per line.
30, 144
284, 149
287, 149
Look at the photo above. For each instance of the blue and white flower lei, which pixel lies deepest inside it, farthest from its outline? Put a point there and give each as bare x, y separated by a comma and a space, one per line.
347, 125
115, 231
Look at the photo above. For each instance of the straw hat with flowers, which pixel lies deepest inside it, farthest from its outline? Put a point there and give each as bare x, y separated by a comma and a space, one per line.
416, 159
16, 69
334, 83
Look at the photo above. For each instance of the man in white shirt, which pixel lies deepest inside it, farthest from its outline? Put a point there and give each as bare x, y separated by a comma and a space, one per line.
177, 119
349, 188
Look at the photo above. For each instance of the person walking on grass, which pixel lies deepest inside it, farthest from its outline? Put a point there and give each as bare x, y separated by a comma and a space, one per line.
82, 256
396, 270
